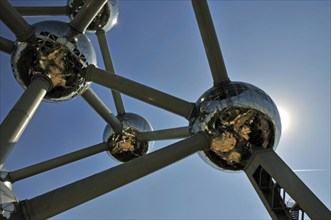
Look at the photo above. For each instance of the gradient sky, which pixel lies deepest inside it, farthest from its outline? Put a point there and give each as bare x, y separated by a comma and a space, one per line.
283, 47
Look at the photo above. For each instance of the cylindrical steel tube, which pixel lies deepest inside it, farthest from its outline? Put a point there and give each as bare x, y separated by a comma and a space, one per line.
43, 11
55, 162
165, 134
210, 41
139, 91
110, 67
15, 22
18, 118
6, 45
96, 103
69, 196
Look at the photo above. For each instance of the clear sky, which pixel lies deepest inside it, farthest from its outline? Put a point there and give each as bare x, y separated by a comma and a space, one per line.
283, 47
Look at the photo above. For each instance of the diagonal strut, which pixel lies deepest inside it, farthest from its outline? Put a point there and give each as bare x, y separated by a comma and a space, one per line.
35, 169
15, 22
96, 103
210, 42
269, 174
109, 67
18, 118
69, 196
139, 91
172, 133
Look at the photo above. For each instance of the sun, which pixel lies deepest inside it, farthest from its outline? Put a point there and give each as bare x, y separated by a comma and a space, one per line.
285, 118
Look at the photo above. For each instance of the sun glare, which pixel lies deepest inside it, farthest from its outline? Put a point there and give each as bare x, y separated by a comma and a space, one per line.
285, 119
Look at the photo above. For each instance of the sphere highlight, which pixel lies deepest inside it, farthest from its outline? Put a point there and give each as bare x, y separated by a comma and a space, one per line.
125, 146
240, 119
58, 54
104, 20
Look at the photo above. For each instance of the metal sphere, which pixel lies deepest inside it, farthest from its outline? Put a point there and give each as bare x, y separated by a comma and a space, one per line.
8, 199
104, 20
125, 146
240, 118
59, 54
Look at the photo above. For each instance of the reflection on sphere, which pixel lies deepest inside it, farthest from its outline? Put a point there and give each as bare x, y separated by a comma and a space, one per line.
59, 54
104, 20
240, 118
125, 146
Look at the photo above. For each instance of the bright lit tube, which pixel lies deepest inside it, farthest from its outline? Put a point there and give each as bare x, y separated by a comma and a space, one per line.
18, 118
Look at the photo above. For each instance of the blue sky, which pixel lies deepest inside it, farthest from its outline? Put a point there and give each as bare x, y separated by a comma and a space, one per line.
283, 47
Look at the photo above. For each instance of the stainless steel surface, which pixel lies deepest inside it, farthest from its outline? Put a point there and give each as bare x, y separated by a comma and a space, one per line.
8, 199
124, 145
86, 14
59, 54
235, 125
104, 20
240, 118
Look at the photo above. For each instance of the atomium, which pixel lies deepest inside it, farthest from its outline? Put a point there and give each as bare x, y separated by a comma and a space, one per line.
234, 126
124, 146
58, 54
240, 119
104, 20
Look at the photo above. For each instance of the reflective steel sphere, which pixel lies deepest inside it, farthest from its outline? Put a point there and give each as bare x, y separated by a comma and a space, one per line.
58, 54
125, 146
240, 118
105, 19
8, 199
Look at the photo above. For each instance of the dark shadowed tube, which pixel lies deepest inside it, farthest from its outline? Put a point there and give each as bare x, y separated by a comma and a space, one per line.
210, 42
165, 134
289, 181
55, 162
139, 91
43, 11
15, 22
86, 14
69, 196
96, 103
6, 45
18, 118
109, 67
